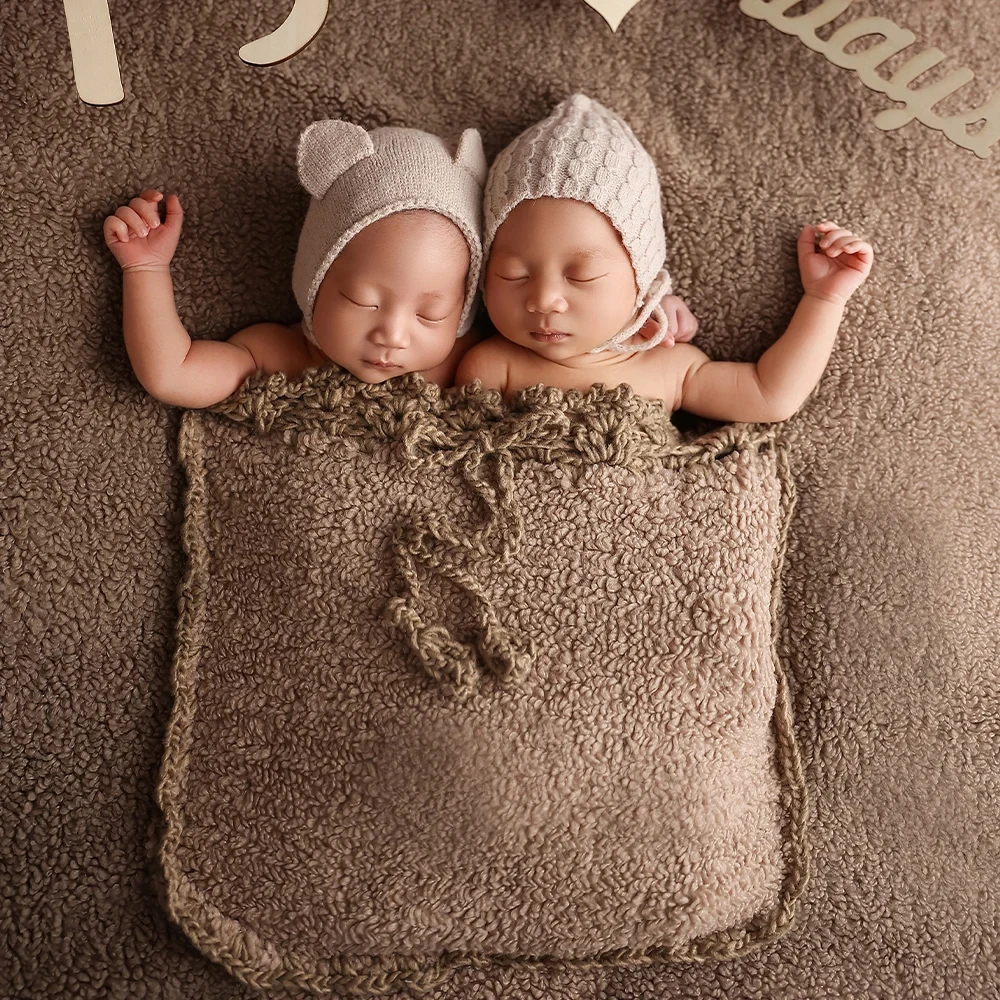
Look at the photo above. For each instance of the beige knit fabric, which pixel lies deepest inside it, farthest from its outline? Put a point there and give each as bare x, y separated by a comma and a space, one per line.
357, 177
584, 151
341, 819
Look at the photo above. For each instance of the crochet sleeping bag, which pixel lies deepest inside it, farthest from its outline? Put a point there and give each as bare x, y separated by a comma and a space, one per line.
459, 681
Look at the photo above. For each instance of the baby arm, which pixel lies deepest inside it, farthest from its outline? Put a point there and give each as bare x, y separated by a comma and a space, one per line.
166, 362
779, 383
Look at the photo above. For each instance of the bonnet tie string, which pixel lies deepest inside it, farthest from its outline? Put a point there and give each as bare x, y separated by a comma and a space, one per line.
650, 305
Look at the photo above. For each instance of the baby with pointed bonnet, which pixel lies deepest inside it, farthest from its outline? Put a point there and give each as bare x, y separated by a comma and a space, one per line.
575, 281
386, 273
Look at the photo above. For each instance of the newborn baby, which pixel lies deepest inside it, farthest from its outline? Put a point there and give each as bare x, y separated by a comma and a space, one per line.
386, 272
575, 280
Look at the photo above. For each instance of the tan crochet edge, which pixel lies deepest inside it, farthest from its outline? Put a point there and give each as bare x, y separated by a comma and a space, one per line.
341, 405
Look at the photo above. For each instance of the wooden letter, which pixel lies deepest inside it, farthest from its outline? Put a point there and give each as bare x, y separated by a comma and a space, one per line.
956, 127
92, 44
292, 35
613, 11
864, 62
917, 102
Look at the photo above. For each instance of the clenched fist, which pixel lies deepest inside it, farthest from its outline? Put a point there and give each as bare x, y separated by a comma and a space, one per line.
137, 237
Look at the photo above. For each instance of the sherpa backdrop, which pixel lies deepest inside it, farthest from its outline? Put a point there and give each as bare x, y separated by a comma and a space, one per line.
891, 631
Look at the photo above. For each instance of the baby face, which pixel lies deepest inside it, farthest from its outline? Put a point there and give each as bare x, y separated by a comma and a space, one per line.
559, 281
392, 300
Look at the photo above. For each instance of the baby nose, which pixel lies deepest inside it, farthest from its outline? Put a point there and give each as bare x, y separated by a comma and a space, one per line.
545, 297
392, 331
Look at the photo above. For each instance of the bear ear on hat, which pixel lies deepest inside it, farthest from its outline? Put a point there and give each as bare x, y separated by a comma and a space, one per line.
326, 150
471, 156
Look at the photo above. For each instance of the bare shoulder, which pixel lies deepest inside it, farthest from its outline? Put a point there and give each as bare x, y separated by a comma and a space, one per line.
488, 361
278, 348
679, 362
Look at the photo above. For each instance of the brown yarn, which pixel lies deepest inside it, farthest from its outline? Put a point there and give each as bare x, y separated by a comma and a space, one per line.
471, 432
624, 429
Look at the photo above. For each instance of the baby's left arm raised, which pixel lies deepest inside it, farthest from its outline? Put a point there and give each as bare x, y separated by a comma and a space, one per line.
720, 390
778, 384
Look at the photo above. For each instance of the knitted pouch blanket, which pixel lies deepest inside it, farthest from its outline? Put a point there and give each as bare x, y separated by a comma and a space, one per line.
463, 683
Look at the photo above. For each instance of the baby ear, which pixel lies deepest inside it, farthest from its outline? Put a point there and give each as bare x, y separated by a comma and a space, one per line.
326, 150
470, 155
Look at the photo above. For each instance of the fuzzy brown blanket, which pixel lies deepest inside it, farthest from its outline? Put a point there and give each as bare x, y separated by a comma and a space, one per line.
346, 812
888, 623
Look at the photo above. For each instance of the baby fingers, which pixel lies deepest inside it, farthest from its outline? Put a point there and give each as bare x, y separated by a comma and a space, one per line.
828, 235
147, 210
133, 221
862, 250
838, 244
833, 241
114, 228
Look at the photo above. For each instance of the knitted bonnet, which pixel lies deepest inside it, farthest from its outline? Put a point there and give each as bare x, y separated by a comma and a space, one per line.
357, 177
586, 152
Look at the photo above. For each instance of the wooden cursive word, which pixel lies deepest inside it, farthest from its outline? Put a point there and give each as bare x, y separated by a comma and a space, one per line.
918, 103
98, 78
95, 62
613, 11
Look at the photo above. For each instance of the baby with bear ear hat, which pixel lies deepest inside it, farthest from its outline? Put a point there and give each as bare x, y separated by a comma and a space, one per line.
575, 281
386, 271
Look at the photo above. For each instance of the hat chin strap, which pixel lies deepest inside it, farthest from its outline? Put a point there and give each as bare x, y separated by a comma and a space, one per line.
649, 306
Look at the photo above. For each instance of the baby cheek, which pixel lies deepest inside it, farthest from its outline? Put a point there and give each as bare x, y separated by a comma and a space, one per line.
493, 298
620, 303
509, 315
327, 309
338, 329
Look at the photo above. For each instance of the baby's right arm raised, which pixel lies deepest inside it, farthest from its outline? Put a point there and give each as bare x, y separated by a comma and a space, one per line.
169, 365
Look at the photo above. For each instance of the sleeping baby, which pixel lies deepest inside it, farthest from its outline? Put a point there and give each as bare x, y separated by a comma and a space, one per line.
575, 281
386, 272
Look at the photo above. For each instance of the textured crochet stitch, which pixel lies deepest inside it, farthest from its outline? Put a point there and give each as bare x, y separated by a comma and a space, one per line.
246, 709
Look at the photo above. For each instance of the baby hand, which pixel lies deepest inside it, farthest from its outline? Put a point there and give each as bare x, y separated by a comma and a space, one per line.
137, 238
835, 268
681, 323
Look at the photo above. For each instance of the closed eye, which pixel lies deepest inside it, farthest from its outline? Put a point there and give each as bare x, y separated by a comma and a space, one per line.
428, 319
579, 281
359, 304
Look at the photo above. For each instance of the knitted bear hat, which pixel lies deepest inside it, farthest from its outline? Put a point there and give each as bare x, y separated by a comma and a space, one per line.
586, 152
357, 177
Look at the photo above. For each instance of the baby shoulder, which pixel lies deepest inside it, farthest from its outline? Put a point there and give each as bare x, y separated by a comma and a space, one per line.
487, 361
276, 347
677, 363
